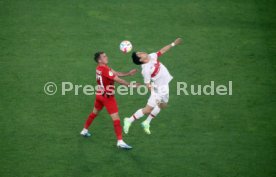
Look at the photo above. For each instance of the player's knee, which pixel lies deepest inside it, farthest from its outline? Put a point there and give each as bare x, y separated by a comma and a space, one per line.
146, 110
163, 105
115, 116
95, 111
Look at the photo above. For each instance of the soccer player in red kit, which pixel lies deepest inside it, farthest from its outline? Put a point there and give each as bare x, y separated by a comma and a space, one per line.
105, 96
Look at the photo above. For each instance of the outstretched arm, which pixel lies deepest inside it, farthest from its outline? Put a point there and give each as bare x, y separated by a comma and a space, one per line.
123, 82
167, 47
122, 74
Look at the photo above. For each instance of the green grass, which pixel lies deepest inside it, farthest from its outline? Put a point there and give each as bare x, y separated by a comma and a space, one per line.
197, 136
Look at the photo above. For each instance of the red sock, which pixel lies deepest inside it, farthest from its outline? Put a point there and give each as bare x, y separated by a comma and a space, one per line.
89, 120
118, 129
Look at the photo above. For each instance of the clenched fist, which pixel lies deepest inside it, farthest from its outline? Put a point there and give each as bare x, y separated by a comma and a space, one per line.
178, 41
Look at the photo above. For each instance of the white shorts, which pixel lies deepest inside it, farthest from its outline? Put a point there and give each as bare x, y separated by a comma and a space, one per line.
159, 95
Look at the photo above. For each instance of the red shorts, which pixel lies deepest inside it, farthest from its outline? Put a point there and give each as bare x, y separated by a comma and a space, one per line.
108, 102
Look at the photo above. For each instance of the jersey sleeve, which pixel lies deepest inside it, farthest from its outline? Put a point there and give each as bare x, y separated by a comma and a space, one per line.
155, 55
146, 75
108, 73
158, 54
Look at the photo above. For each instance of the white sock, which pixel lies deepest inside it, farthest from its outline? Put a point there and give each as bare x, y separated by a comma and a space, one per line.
120, 141
153, 114
137, 115
84, 130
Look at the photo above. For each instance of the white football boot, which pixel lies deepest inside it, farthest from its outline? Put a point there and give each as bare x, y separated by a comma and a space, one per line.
85, 133
121, 144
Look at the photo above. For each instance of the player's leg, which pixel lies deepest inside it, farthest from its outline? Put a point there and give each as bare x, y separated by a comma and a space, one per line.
112, 109
97, 108
117, 125
161, 99
140, 113
152, 114
162, 104
137, 115
91, 117
150, 111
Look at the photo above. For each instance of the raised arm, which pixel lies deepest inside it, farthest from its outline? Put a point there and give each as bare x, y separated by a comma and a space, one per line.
167, 47
122, 74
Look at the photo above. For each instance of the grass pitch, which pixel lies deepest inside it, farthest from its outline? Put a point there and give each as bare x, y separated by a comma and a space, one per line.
197, 136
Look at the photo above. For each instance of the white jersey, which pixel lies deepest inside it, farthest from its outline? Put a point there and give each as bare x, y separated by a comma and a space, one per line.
155, 71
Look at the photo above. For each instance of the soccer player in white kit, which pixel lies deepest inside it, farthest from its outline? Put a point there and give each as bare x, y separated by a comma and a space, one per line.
157, 79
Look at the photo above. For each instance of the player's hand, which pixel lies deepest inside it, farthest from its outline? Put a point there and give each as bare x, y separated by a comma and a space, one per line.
178, 41
149, 86
132, 72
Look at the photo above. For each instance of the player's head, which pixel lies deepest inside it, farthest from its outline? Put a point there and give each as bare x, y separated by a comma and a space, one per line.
101, 57
140, 58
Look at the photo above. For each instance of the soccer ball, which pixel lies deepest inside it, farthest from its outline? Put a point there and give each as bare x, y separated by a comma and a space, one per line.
125, 46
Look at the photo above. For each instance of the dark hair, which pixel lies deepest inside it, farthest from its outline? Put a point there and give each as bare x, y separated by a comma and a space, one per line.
97, 56
136, 59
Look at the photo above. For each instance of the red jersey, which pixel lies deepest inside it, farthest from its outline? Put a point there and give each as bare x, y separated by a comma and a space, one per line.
105, 79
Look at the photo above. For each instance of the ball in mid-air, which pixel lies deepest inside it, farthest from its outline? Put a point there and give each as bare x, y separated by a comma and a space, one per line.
125, 46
